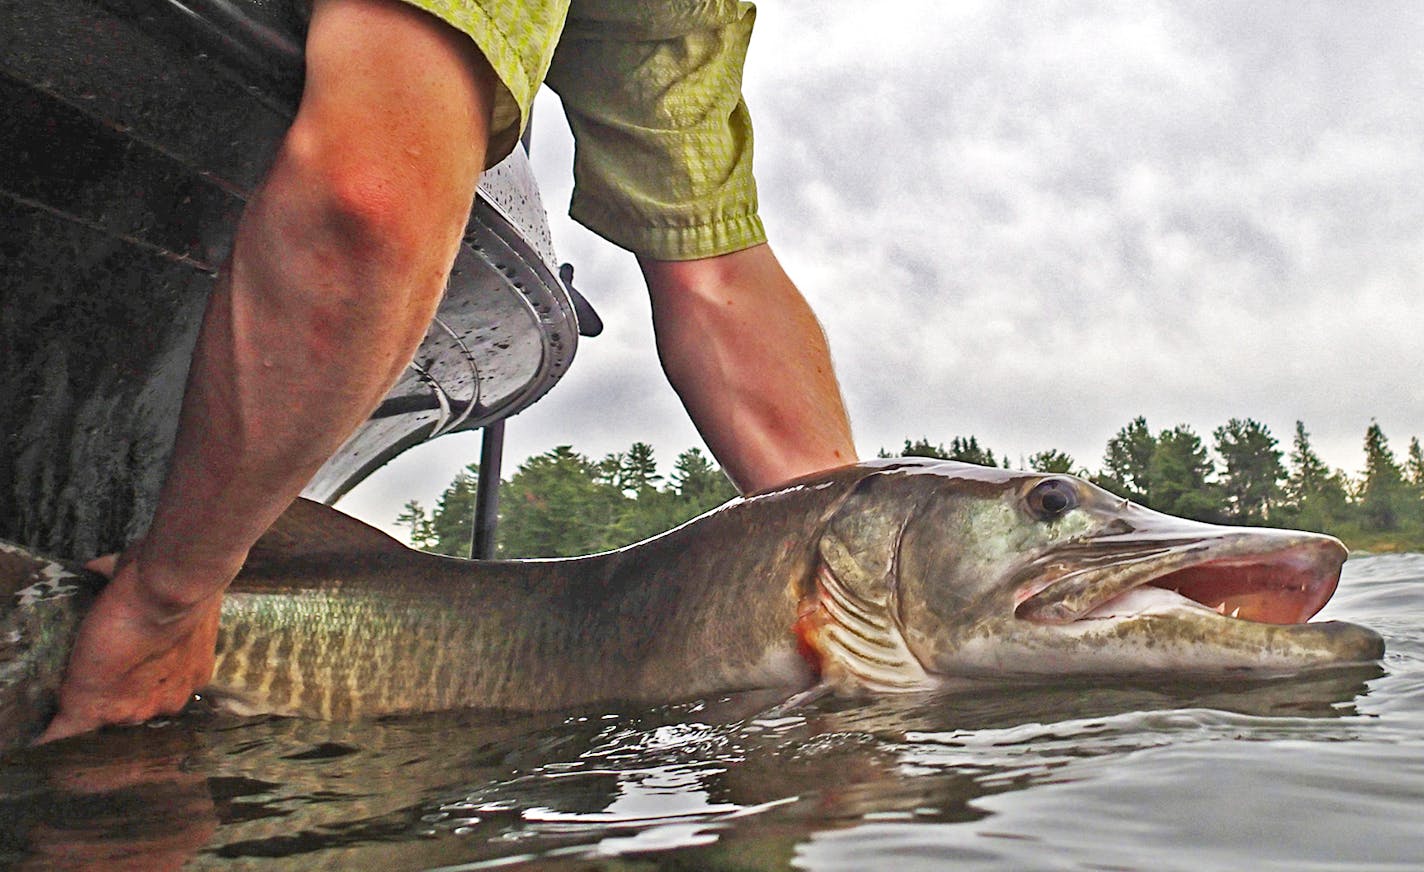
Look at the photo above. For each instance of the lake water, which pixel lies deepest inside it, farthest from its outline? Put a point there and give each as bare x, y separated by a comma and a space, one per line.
1322, 772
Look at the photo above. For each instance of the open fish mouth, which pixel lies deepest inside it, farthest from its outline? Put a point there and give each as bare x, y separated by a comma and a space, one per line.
1260, 576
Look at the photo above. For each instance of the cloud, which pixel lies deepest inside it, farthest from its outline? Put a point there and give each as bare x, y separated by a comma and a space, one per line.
1115, 209
1033, 222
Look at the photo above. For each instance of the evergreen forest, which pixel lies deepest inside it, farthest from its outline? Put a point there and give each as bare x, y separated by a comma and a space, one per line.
562, 503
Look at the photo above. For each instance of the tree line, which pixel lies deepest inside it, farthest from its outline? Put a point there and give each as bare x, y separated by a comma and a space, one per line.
562, 503
1246, 478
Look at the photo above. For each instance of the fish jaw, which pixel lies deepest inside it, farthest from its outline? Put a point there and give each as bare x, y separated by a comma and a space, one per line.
1257, 574
1154, 630
1200, 599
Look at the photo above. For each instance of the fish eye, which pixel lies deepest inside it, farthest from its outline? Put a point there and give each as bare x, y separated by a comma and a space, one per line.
1051, 499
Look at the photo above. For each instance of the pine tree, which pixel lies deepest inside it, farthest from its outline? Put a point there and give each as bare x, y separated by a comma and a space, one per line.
921, 447
1382, 493
1179, 475
697, 485
1414, 486
631, 471
1051, 460
422, 529
1252, 470
967, 450
1127, 464
559, 504
698, 481
961, 448
446, 530
640, 468
1414, 467
1316, 496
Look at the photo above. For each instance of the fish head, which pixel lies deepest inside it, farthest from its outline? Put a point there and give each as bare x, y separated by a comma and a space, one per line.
935, 570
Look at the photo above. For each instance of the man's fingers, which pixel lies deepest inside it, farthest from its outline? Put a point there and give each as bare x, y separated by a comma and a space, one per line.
62, 727
64, 724
105, 566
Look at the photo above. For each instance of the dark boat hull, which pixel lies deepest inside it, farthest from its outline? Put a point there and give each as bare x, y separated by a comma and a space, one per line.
131, 134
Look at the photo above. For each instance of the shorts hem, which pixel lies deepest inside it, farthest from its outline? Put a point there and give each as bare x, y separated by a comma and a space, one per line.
689, 242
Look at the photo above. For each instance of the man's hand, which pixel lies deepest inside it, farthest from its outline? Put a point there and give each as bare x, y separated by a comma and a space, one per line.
134, 658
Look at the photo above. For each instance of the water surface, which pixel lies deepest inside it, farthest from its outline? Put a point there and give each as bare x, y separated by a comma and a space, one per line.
1318, 772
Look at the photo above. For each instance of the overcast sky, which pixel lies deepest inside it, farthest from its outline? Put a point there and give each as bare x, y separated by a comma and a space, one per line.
1031, 222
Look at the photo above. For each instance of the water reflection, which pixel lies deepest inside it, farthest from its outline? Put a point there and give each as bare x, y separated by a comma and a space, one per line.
141, 808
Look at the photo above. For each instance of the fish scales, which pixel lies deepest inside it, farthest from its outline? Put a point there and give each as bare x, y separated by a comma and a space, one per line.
518, 634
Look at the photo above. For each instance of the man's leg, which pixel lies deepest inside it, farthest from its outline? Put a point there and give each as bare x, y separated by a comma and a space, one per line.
750, 362
338, 265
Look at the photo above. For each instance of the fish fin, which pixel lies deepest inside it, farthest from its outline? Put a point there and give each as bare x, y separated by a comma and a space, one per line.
797, 700
307, 528
848, 621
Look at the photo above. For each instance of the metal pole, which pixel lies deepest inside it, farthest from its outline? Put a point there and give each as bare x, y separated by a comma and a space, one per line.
486, 518
487, 492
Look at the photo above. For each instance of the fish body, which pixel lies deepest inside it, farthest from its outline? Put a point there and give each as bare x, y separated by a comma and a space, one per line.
888, 575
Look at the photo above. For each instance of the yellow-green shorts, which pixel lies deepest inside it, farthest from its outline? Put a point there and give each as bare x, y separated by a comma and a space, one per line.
652, 90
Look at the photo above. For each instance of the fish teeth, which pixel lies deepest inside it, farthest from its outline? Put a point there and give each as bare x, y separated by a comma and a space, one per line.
1221, 609
1235, 613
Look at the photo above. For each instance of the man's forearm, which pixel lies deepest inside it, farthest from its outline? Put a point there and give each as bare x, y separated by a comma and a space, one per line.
337, 268
750, 362
288, 362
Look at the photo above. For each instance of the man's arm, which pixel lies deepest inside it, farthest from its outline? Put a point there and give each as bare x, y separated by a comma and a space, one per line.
337, 268
749, 360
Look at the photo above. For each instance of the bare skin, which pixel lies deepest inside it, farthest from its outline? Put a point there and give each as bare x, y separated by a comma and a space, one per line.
751, 364
337, 268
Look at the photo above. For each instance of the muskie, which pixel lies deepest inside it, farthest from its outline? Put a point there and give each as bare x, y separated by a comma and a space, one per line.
890, 575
